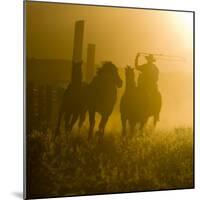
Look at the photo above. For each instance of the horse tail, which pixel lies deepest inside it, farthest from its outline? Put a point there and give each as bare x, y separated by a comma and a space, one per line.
159, 102
85, 98
157, 108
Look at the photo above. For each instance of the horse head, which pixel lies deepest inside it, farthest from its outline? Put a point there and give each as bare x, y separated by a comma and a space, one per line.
110, 73
129, 74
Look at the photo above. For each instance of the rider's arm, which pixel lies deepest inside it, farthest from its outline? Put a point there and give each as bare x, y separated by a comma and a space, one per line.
137, 66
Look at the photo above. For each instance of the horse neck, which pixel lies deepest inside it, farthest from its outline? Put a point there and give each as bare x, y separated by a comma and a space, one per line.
103, 83
130, 85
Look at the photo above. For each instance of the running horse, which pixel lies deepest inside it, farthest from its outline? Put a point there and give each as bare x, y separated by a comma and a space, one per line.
136, 107
73, 102
101, 96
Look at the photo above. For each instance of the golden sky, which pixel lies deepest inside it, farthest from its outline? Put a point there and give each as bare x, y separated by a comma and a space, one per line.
118, 33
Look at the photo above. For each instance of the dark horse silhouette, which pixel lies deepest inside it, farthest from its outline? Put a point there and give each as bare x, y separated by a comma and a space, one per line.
136, 106
73, 102
102, 95
98, 96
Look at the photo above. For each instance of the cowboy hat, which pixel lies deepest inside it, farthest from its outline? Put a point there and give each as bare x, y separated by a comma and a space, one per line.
150, 58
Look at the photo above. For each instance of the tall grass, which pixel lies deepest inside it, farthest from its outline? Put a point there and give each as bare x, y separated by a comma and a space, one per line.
73, 166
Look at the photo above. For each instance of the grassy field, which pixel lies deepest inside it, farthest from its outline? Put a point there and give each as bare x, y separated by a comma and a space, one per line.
73, 166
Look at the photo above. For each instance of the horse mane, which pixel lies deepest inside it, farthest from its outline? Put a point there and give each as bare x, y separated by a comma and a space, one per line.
107, 68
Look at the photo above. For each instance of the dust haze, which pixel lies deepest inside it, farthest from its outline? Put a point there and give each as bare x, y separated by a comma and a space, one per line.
118, 35
66, 46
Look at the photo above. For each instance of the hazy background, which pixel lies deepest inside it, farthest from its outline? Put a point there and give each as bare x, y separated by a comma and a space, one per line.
119, 34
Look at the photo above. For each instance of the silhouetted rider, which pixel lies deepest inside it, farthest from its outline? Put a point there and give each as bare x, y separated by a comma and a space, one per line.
148, 77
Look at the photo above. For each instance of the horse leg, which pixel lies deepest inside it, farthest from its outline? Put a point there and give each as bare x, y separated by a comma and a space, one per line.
81, 120
102, 126
132, 127
92, 123
157, 108
67, 121
73, 121
123, 121
155, 120
142, 125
